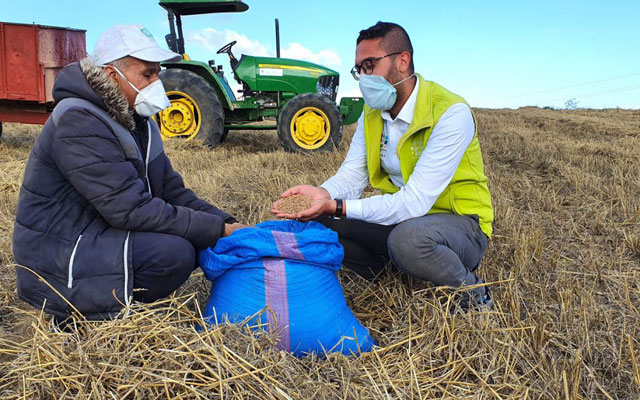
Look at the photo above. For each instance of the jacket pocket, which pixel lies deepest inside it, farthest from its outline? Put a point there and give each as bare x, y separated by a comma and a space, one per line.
73, 256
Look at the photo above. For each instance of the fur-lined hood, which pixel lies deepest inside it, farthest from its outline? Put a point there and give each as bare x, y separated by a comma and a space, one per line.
88, 81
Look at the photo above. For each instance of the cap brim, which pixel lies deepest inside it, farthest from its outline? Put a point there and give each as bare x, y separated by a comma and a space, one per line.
156, 54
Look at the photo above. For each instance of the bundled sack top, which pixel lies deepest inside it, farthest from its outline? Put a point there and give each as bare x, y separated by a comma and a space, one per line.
288, 267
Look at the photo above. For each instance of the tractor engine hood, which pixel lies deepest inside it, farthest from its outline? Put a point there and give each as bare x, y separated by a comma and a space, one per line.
283, 74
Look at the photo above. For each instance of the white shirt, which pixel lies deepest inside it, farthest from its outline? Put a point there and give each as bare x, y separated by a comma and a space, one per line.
434, 170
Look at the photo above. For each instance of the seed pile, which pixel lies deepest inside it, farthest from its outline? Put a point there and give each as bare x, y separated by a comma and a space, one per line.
294, 204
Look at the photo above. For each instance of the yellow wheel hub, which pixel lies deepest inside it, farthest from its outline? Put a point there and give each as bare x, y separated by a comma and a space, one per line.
310, 128
182, 118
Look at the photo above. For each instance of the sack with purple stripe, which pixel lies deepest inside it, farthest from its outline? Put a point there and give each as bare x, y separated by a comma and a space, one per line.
286, 268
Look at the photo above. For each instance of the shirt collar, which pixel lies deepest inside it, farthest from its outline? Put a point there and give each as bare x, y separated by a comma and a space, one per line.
406, 113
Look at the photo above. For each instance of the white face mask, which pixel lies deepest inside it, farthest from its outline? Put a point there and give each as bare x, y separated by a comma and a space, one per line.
150, 100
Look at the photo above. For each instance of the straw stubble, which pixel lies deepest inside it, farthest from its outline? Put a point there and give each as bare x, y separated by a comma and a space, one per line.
563, 264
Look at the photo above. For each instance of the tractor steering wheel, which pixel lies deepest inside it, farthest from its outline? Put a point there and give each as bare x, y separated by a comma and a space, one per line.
227, 48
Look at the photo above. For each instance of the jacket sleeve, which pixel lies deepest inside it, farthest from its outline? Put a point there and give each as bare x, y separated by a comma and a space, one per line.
174, 192
90, 157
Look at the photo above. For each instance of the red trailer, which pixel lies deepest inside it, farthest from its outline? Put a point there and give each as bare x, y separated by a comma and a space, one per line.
30, 58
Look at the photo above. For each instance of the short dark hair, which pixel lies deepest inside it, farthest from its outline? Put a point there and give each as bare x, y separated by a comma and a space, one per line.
394, 38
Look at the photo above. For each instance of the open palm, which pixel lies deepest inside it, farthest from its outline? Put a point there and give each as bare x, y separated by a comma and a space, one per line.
320, 200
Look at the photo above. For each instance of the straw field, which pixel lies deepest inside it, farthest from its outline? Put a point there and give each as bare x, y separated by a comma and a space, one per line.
564, 264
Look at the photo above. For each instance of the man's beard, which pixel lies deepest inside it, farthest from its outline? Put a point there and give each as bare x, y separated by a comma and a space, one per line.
393, 78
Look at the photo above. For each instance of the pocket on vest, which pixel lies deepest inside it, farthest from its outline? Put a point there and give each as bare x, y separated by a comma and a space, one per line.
465, 199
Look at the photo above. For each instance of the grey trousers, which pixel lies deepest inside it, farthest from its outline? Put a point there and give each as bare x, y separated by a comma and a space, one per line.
444, 249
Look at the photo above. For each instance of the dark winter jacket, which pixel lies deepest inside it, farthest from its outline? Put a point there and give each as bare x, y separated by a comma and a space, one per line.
94, 176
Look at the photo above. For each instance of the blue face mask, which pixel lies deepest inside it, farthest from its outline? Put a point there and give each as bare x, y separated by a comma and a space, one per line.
377, 92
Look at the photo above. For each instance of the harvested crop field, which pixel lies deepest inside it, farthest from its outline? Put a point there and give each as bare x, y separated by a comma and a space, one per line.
564, 264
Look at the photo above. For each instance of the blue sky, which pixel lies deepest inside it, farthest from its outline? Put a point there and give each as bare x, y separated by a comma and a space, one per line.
494, 53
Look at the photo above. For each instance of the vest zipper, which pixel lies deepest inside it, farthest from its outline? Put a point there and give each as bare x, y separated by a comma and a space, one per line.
73, 256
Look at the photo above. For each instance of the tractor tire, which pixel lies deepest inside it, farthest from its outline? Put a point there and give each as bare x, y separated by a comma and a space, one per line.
0, 130
309, 123
224, 135
195, 111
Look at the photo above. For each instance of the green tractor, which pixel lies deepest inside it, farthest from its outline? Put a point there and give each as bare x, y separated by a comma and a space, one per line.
298, 96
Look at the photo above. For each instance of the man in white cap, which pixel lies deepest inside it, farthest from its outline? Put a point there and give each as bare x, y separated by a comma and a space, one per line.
102, 216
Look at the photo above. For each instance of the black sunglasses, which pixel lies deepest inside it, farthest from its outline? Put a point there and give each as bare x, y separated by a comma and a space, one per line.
367, 65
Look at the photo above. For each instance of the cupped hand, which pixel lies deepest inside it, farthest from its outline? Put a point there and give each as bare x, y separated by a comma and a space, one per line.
319, 207
320, 202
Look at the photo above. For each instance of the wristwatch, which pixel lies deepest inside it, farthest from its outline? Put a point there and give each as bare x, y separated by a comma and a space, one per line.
339, 207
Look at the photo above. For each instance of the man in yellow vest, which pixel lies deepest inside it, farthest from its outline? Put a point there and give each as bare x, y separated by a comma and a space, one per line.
417, 143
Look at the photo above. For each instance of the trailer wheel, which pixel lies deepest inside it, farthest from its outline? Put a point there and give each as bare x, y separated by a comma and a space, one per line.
195, 111
310, 122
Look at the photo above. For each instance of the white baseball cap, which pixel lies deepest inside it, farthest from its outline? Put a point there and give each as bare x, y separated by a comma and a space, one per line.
130, 40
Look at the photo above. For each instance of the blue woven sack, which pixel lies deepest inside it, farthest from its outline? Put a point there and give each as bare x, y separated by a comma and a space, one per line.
289, 268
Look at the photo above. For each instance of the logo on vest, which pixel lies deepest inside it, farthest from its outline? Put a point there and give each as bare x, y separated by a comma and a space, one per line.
416, 147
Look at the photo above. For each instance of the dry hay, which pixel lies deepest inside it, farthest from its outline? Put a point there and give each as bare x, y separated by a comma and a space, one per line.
563, 261
294, 204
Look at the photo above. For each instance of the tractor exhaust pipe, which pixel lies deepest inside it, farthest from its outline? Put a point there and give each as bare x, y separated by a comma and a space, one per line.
277, 38
279, 99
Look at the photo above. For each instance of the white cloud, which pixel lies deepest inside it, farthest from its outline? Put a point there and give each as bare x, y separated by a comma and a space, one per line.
327, 58
349, 92
212, 39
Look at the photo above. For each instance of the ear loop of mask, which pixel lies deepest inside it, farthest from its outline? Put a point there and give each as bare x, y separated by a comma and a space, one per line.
125, 78
410, 76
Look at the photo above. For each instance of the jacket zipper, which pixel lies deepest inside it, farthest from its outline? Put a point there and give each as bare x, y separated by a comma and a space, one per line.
146, 164
125, 251
73, 256
126, 270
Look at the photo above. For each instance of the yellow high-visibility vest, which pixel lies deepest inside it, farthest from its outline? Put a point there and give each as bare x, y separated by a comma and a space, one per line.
467, 193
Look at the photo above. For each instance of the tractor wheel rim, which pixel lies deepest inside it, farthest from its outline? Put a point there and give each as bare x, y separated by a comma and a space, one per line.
182, 118
310, 128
